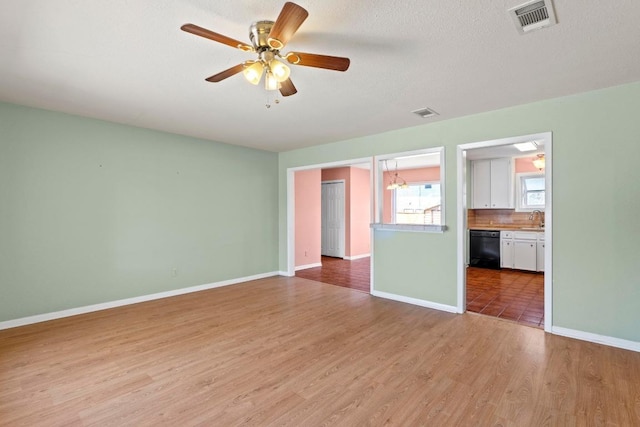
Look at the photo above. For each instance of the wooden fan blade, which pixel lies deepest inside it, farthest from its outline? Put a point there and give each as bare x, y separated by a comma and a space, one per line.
336, 63
208, 34
290, 18
287, 88
226, 73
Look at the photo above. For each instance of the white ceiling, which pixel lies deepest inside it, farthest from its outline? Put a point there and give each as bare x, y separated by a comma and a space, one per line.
128, 62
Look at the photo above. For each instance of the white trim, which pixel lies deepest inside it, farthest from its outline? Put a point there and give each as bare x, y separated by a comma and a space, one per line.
127, 301
462, 213
304, 267
353, 258
462, 230
373, 216
548, 236
595, 338
285, 274
291, 224
415, 301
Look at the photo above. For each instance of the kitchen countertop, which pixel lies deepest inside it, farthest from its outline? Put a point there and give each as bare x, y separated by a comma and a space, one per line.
506, 227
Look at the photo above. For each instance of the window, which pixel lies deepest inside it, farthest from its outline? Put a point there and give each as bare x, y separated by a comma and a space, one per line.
530, 191
418, 203
410, 191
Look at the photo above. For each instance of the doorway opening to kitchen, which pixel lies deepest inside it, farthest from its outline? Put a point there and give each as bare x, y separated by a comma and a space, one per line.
505, 229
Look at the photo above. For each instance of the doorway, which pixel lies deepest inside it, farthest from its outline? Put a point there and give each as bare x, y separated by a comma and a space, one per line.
509, 292
342, 218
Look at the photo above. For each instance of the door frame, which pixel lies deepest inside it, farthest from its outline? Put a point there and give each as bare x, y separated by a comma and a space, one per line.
291, 208
462, 191
343, 225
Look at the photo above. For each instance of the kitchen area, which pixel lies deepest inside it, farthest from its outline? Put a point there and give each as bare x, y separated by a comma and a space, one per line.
506, 233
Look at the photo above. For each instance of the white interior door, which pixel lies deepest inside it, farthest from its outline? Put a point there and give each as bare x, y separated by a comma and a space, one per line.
333, 219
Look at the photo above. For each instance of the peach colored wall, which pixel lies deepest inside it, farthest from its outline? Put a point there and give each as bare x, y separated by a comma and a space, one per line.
360, 203
308, 217
410, 175
525, 164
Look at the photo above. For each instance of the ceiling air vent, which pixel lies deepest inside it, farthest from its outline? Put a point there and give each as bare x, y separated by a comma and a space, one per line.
425, 112
533, 15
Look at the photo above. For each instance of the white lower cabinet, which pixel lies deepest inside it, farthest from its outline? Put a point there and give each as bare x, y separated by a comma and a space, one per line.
506, 249
524, 255
540, 250
522, 250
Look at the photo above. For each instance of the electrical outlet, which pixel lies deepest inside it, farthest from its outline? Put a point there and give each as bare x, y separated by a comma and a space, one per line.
174, 272
305, 253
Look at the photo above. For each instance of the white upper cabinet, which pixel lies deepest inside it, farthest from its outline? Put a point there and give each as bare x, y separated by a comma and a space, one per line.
492, 184
481, 184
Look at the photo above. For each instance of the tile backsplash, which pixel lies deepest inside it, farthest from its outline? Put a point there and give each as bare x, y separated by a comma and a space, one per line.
501, 217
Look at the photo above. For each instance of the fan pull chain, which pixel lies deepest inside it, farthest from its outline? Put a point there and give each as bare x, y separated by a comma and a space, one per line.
275, 101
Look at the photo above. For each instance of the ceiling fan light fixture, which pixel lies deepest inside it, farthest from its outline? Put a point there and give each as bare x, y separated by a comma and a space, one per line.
280, 71
267, 39
270, 81
253, 72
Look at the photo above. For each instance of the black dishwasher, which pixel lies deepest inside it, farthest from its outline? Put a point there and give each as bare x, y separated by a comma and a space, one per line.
484, 248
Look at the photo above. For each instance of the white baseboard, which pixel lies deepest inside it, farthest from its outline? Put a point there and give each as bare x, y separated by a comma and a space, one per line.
127, 301
353, 258
285, 274
599, 339
416, 301
304, 267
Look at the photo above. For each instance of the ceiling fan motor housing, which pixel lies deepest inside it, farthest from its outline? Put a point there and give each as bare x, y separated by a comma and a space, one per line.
259, 33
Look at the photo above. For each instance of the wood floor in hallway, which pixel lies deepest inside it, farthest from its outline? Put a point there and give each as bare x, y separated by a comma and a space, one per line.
354, 274
286, 351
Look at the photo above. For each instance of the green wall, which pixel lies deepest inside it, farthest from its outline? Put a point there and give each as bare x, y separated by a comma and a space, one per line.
596, 202
93, 212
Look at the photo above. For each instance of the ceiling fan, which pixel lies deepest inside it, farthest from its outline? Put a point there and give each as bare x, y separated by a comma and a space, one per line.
267, 39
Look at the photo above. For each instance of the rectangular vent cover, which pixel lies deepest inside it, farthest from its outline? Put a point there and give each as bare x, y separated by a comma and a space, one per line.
425, 112
533, 15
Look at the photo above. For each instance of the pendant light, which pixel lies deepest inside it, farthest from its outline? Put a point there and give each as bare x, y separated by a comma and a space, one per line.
538, 162
397, 181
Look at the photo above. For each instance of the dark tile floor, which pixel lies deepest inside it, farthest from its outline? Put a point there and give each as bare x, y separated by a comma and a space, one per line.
508, 294
337, 271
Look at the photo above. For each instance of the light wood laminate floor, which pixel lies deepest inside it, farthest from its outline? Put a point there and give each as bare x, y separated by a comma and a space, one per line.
290, 351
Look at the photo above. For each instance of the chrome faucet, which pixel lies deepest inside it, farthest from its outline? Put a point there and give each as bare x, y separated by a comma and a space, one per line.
533, 214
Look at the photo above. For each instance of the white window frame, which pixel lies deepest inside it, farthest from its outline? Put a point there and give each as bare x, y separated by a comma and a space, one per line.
520, 206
